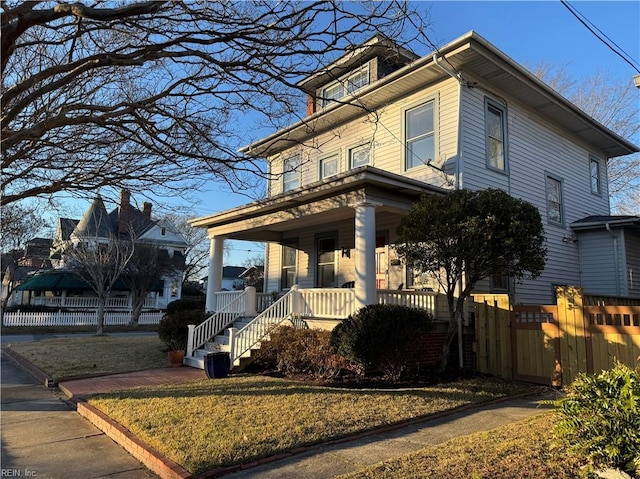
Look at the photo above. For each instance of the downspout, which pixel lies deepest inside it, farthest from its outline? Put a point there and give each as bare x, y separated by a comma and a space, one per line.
458, 172
616, 259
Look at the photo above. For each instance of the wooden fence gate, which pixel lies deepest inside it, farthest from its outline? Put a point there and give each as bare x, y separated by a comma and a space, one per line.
551, 344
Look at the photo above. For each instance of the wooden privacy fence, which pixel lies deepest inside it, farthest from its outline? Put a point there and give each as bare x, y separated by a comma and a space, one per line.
551, 344
72, 318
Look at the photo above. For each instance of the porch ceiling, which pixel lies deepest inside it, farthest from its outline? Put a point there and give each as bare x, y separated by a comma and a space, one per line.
320, 204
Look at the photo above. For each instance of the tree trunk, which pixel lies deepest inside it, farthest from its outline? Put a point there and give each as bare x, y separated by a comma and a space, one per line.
452, 329
135, 311
100, 327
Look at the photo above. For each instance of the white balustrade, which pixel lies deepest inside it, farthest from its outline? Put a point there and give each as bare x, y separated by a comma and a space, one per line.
327, 302
242, 340
224, 298
425, 300
223, 318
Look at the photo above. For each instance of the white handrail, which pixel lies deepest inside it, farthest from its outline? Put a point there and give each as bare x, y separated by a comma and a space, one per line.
327, 302
215, 324
242, 340
425, 300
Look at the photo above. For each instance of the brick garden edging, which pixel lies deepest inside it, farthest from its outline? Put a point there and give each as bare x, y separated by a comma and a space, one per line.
152, 459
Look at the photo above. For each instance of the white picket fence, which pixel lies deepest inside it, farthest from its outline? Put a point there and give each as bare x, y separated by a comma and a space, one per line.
72, 318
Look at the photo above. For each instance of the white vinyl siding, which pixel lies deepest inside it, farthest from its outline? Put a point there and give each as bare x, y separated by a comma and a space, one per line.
535, 147
386, 139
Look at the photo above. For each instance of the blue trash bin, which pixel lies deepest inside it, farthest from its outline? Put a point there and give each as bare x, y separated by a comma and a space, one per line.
217, 365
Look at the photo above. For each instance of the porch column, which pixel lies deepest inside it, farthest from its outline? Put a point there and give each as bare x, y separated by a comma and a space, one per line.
365, 261
214, 280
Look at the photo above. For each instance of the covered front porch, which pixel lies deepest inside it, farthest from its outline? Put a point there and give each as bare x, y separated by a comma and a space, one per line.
334, 240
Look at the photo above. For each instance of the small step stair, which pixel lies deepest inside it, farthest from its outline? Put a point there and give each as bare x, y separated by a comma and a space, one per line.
220, 343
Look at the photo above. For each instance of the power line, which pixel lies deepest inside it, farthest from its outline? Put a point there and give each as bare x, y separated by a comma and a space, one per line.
590, 26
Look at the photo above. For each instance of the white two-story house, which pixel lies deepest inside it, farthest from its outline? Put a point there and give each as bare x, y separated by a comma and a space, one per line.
384, 126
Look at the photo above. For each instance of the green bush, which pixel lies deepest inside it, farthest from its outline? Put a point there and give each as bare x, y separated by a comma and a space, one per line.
376, 336
600, 418
186, 305
173, 330
302, 351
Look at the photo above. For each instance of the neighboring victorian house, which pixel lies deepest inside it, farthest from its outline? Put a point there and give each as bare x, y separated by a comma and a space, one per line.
15, 272
61, 288
383, 127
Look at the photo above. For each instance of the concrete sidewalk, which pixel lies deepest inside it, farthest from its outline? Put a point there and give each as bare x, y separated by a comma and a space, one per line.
43, 436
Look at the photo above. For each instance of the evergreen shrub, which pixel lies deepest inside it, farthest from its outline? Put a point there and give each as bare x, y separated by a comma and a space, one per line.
376, 337
600, 418
173, 330
294, 351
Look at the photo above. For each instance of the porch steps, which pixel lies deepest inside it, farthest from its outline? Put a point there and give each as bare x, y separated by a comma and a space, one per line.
220, 343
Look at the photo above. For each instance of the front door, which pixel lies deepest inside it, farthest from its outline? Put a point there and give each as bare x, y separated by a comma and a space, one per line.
382, 263
326, 265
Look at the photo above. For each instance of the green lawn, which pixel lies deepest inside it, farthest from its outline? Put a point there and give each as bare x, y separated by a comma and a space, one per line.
94, 355
205, 424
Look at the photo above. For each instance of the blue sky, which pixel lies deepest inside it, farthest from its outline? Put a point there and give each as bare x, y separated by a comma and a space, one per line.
529, 32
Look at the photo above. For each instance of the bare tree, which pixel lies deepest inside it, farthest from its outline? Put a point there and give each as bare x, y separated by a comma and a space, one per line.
196, 255
100, 262
614, 104
147, 265
18, 224
151, 95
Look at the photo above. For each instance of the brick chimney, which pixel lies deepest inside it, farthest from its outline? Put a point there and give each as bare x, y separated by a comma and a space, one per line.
146, 209
311, 105
123, 212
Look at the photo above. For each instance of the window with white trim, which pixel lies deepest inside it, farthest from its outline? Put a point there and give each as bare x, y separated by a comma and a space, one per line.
360, 156
554, 200
419, 135
291, 175
289, 260
345, 86
495, 130
594, 173
329, 166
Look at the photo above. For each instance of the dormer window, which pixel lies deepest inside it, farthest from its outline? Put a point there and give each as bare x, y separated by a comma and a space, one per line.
345, 86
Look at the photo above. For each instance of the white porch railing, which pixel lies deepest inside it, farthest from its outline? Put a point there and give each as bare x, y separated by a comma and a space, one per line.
327, 302
415, 299
225, 298
264, 300
242, 340
87, 302
236, 304
294, 306
76, 318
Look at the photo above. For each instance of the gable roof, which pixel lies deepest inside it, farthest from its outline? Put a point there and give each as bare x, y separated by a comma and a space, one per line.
469, 56
95, 223
232, 271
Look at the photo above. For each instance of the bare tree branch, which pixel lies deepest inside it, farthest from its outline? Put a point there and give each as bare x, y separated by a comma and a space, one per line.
159, 96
